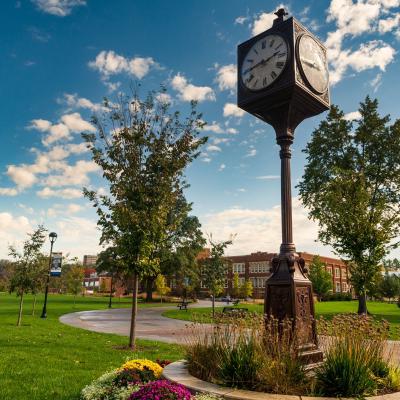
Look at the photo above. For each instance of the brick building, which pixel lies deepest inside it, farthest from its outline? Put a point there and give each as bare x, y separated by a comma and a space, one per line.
255, 267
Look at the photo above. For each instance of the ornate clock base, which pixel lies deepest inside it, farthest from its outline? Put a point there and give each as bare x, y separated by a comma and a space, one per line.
288, 295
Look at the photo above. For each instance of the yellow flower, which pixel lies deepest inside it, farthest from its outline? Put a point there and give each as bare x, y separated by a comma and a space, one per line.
141, 364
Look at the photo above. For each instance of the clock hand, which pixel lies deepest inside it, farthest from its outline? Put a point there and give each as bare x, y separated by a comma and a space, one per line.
311, 64
262, 62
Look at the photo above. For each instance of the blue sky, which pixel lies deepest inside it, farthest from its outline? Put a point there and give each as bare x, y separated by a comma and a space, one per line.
61, 57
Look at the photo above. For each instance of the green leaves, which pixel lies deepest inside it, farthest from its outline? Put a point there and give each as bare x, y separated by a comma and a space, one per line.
351, 186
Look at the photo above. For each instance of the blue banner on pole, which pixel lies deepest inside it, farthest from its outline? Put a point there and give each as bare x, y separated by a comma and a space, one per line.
56, 259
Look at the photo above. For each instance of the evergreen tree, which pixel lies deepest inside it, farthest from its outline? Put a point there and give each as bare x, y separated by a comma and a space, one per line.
320, 278
351, 185
246, 290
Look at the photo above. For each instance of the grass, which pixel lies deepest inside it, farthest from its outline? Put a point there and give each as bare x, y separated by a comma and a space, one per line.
44, 359
389, 312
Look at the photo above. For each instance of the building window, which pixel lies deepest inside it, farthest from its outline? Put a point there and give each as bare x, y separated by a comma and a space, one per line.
337, 287
202, 285
226, 283
241, 281
258, 267
344, 287
329, 269
238, 268
337, 272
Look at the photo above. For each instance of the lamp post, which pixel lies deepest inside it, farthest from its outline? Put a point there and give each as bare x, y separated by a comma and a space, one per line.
52, 237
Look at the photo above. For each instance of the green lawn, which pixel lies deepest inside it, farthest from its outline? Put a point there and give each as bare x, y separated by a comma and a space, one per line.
44, 359
390, 312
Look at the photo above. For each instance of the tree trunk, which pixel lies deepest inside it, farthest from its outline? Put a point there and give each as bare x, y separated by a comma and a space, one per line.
74, 299
34, 305
111, 291
21, 302
132, 334
213, 305
362, 303
149, 289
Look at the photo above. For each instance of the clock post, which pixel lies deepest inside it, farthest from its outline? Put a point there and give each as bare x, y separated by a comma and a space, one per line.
283, 79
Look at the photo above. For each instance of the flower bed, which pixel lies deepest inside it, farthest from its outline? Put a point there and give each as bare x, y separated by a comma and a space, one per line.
138, 379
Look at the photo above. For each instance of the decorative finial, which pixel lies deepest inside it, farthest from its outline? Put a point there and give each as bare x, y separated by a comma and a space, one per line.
280, 14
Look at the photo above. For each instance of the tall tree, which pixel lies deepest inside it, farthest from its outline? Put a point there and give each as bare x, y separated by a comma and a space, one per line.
351, 185
26, 264
390, 286
6, 270
143, 149
214, 269
161, 286
320, 278
235, 285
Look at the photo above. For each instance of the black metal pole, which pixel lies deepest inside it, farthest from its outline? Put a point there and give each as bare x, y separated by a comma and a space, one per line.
111, 289
44, 311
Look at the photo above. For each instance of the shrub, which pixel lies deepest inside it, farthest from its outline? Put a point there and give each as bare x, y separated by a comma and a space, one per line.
337, 297
206, 396
355, 364
163, 390
242, 353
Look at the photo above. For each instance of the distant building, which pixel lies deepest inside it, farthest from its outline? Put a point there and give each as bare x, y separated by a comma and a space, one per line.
256, 268
89, 261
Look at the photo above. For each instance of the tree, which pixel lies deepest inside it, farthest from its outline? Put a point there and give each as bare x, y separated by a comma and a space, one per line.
161, 286
6, 270
235, 285
246, 290
351, 186
143, 150
109, 262
391, 265
26, 264
74, 280
214, 269
320, 278
390, 286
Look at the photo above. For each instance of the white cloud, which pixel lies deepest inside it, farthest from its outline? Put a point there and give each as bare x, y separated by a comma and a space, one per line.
221, 140
73, 101
63, 209
12, 227
232, 110
251, 153
376, 82
69, 123
189, 92
60, 8
259, 229
213, 148
241, 20
227, 77
206, 159
72, 174
221, 167
164, 98
352, 20
232, 131
351, 116
268, 177
21, 176
8, 191
242, 190
214, 127
68, 193
264, 20
388, 24
109, 63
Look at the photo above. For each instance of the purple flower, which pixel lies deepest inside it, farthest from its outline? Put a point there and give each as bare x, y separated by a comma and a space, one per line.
161, 390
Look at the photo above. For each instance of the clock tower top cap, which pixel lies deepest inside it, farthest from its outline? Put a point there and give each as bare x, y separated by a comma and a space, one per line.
280, 14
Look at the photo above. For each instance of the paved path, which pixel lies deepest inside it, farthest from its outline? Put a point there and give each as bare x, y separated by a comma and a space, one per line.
150, 323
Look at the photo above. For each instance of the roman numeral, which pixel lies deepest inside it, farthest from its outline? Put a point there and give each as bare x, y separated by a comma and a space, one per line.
250, 78
263, 44
280, 55
280, 64
255, 51
273, 75
271, 43
255, 83
265, 81
277, 47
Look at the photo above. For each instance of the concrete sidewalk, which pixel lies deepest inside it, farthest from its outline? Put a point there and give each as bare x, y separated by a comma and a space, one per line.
150, 323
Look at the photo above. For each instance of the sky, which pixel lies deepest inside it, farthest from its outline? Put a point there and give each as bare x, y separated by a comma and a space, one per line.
60, 58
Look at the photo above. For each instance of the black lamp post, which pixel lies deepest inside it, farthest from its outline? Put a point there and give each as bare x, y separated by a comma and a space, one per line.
52, 237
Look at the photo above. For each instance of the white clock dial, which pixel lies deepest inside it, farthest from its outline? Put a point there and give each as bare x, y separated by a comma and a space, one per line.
313, 64
264, 62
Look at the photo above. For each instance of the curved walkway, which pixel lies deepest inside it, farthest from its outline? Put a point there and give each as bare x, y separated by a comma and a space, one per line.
150, 323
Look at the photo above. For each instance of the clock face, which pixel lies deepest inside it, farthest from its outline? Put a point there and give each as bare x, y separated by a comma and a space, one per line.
264, 62
312, 60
